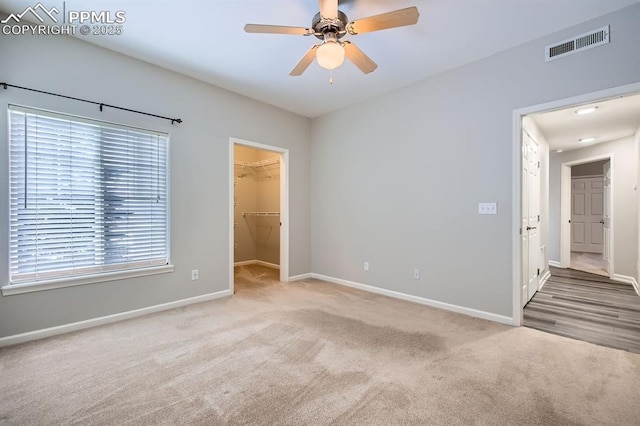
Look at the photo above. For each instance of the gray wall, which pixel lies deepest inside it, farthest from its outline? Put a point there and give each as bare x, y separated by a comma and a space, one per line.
625, 215
588, 169
199, 161
396, 180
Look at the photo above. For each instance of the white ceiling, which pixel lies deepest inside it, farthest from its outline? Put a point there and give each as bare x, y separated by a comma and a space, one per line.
614, 119
205, 40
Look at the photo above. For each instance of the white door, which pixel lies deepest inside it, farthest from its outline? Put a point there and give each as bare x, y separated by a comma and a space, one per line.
606, 218
587, 214
530, 217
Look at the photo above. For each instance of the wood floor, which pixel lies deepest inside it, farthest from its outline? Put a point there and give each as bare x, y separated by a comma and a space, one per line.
587, 307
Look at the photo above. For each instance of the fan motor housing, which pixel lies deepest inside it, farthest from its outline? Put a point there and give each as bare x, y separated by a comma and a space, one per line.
322, 26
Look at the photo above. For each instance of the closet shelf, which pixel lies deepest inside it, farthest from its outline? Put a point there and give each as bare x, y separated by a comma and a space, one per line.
257, 164
257, 167
245, 214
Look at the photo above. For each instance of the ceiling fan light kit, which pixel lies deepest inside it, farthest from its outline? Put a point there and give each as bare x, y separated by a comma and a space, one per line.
330, 25
330, 54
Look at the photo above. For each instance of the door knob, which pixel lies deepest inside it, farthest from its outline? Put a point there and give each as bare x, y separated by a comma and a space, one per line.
602, 221
529, 228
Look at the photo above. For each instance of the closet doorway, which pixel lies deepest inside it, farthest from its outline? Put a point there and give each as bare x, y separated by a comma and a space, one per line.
258, 229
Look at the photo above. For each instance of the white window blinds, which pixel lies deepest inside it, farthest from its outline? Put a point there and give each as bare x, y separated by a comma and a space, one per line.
87, 197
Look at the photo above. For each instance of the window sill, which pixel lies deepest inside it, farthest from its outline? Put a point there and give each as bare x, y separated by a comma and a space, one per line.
12, 289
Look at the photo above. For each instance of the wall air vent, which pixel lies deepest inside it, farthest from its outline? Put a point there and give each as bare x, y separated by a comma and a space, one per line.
577, 44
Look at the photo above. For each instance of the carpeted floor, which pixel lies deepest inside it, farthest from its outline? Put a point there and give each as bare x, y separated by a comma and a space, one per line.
315, 353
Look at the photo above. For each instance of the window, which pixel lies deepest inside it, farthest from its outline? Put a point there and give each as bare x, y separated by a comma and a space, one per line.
87, 197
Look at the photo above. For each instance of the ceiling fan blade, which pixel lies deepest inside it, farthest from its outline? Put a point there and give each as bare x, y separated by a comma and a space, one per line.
329, 9
397, 18
358, 57
277, 29
304, 63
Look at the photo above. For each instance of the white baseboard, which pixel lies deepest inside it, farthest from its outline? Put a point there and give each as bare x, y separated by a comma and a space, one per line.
300, 277
267, 264
627, 280
416, 299
257, 262
93, 322
555, 264
543, 280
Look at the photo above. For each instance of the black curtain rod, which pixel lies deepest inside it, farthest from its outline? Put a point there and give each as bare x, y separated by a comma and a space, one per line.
100, 104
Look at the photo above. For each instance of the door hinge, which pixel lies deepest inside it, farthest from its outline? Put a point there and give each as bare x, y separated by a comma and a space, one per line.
520, 231
538, 218
538, 164
538, 271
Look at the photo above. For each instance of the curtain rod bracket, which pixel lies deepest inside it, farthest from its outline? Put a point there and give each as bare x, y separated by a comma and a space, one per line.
4, 85
101, 105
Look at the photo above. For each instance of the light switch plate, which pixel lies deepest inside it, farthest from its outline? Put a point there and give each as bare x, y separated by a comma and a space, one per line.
487, 208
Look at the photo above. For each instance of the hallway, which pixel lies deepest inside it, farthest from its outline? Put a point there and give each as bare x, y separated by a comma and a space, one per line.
587, 307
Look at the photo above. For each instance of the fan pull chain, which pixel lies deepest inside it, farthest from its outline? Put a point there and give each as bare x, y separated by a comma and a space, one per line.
331, 78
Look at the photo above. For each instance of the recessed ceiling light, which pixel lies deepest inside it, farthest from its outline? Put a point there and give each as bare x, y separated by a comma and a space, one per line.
558, 150
585, 140
586, 110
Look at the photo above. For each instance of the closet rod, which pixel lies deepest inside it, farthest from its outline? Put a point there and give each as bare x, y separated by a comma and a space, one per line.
101, 104
245, 214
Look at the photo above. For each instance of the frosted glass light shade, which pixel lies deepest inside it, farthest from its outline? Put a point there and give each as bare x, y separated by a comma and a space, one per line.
330, 55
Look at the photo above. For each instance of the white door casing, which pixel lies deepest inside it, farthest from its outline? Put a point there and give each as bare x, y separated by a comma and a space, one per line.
606, 250
587, 212
530, 217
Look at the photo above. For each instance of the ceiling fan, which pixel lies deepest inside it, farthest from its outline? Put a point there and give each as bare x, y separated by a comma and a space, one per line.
330, 25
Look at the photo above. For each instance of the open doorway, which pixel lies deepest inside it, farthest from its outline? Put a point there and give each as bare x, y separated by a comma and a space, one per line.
590, 224
589, 150
258, 229
577, 138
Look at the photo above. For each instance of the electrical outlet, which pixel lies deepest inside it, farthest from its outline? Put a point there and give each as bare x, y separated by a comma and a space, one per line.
195, 275
366, 266
416, 274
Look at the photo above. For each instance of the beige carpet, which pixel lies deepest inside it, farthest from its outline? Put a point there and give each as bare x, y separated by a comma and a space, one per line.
315, 353
588, 262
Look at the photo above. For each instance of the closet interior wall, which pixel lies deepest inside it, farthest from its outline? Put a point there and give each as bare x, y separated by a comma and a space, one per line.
256, 206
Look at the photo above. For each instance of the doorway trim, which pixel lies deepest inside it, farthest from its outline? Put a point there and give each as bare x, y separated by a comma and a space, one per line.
284, 205
516, 172
565, 208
